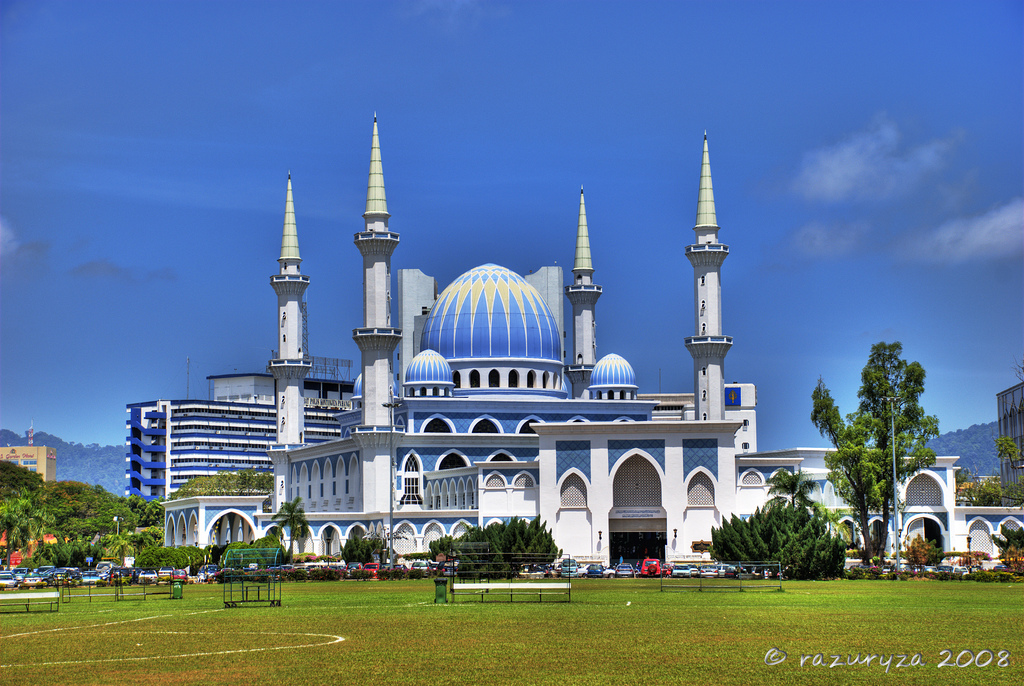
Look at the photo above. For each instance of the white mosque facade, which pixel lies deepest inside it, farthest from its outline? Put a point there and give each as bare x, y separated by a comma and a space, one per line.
487, 417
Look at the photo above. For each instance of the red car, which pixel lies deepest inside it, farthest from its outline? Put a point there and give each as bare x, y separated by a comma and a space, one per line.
650, 567
372, 568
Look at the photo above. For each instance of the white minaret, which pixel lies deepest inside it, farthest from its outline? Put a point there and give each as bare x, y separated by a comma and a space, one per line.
377, 341
583, 295
707, 346
291, 365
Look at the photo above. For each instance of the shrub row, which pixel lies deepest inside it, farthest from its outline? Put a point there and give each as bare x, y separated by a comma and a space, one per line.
984, 577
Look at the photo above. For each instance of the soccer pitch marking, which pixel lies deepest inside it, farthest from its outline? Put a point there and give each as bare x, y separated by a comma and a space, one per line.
330, 639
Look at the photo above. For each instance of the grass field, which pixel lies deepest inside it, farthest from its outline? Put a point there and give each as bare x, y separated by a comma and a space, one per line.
613, 632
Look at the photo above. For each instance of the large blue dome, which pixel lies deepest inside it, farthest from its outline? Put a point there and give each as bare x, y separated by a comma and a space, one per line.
492, 312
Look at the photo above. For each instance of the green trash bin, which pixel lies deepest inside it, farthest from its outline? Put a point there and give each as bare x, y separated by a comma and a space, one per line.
177, 588
440, 590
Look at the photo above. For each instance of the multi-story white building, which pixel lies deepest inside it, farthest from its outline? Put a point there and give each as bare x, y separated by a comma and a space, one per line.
486, 418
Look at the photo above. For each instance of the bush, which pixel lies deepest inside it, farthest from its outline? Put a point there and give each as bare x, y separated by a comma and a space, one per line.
359, 575
417, 574
298, 575
324, 574
392, 574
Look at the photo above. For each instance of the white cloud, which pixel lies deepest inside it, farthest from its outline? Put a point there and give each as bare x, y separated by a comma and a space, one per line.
868, 165
997, 234
818, 239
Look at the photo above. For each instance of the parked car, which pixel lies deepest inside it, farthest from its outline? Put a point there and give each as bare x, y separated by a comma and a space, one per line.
948, 569
148, 576
7, 580
32, 580
421, 566
625, 571
19, 572
1000, 568
709, 571
206, 573
373, 568
650, 567
681, 571
91, 578
568, 569
179, 575
165, 573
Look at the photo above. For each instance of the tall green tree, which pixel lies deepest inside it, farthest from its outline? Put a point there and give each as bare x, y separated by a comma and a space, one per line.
292, 516
791, 488
861, 468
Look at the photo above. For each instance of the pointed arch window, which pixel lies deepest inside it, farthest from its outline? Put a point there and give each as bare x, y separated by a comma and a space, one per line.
485, 426
452, 461
527, 427
493, 379
573, 492
411, 482
457, 379
700, 492
513, 379
531, 379
437, 426
474, 379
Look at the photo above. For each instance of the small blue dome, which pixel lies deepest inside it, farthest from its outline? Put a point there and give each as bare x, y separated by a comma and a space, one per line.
428, 368
612, 371
357, 388
492, 312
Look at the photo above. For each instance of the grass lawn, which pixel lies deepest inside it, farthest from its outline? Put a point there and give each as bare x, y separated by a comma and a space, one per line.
613, 632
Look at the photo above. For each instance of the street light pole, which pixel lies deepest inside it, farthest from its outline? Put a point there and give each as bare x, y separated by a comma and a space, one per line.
895, 493
391, 488
118, 522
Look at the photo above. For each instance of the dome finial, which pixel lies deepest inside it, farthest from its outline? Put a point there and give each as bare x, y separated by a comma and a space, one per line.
376, 202
706, 196
583, 260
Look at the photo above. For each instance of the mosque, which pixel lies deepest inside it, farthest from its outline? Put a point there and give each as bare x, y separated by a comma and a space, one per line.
486, 417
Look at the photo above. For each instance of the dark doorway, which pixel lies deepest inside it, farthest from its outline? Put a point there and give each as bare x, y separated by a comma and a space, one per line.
633, 546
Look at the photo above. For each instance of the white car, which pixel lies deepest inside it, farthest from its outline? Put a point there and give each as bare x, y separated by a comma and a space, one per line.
7, 580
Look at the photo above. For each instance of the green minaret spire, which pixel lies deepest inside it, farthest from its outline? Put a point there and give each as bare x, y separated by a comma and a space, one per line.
706, 197
376, 203
583, 260
290, 236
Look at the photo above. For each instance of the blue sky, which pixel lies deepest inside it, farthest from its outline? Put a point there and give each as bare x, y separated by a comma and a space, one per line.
867, 165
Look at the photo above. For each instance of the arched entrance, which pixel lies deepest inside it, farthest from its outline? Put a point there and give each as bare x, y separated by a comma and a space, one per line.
928, 529
637, 521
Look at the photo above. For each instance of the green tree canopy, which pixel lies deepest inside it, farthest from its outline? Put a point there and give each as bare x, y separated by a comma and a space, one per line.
797, 538
861, 468
243, 482
16, 480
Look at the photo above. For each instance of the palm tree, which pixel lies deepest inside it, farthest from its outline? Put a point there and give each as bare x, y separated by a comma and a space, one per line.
119, 546
21, 522
292, 516
792, 488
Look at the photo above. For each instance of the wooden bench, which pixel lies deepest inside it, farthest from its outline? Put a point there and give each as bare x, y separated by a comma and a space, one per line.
498, 590
30, 600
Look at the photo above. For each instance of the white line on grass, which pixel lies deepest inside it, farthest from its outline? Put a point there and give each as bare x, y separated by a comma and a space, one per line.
335, 639
87, 626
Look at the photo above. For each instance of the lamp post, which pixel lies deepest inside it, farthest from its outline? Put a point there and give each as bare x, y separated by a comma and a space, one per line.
895, 493
391, 490
117, 520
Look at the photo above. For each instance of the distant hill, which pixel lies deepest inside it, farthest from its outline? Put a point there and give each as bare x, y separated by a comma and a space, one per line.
976, 447
90, 464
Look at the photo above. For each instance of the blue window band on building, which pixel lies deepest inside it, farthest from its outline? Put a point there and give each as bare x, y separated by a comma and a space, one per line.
700, 452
